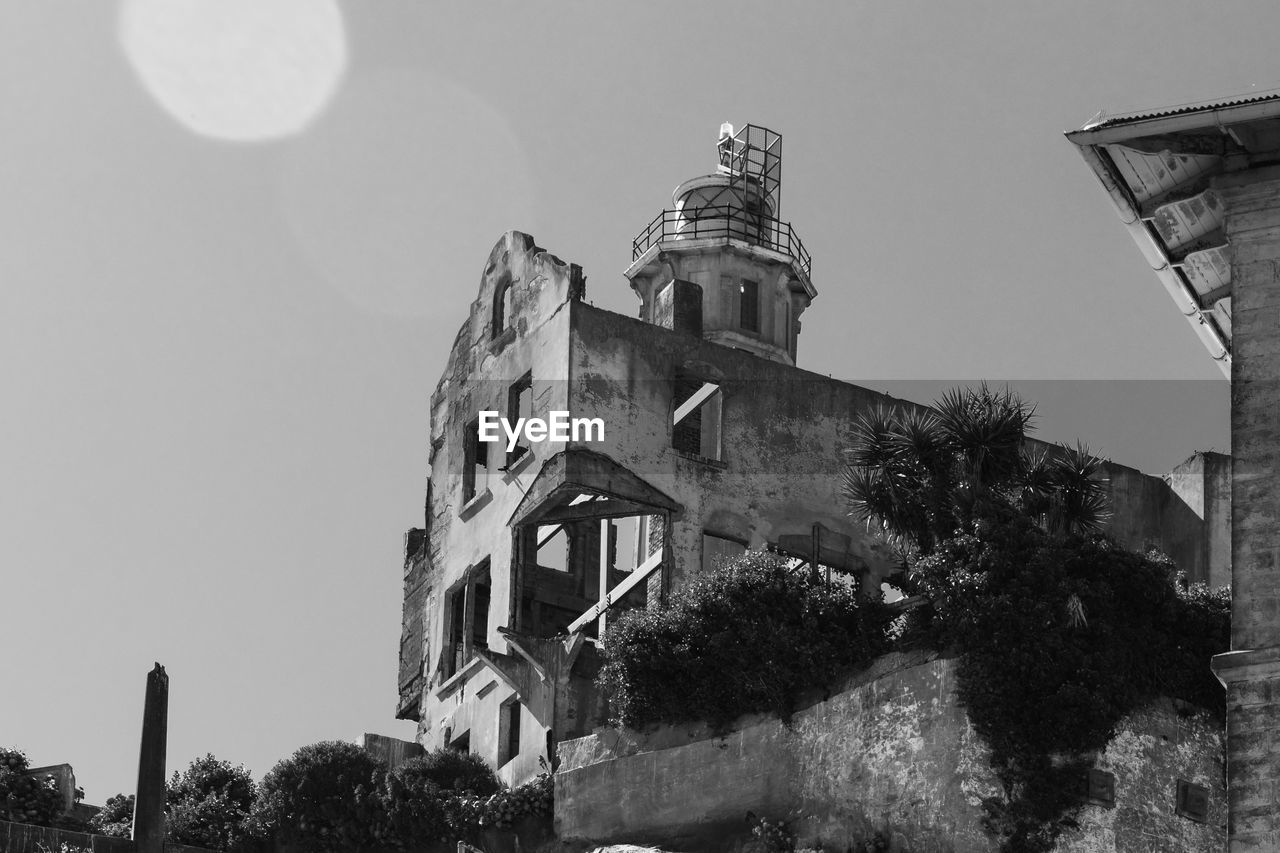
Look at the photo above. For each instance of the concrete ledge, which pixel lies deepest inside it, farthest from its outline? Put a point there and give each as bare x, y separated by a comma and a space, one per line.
1247, 665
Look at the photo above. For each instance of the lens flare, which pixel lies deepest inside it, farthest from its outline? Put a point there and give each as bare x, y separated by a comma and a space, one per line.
241, 70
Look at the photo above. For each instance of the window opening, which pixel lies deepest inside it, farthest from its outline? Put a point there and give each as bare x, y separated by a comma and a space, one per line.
696, 424
717, 550
475, 461
553, 547
749, 317
502, 306
509, 731
456, 650
519, 405
480, 612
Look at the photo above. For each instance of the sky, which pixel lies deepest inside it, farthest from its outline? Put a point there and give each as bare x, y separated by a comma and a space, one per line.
234, 252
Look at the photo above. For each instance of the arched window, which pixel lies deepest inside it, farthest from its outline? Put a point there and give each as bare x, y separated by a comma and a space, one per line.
502, 298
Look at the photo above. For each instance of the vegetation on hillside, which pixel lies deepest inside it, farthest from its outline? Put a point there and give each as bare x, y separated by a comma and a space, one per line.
1060, 633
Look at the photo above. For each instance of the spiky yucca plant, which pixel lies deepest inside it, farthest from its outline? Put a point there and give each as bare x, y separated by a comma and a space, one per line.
920, 475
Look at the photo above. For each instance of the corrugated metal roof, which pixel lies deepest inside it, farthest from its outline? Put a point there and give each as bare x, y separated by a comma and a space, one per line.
1104, 120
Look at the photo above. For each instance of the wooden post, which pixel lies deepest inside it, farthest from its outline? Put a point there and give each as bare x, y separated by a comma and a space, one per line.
148, 805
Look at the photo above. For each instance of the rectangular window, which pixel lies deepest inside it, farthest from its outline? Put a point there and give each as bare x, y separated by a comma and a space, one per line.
1193, 801
519, 405
462, 743
480, 611
553, 547
475, 461
468, 620
716, 550
696, 423
455, 649
750, 316
509, 731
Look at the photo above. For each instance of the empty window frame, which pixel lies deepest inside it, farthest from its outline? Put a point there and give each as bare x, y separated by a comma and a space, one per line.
462, 743
455, 649
1192, 801
717, 550
749, 306
509, 730
697, 419
475, 461
468, 619
502, 306
553, 547
519, 406
480, 606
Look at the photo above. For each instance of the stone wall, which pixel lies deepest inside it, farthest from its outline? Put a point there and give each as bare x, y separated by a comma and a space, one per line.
892, 752
24, 838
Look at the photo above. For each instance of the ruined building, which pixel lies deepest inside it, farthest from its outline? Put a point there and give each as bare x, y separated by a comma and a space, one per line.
713, 442
1198, 188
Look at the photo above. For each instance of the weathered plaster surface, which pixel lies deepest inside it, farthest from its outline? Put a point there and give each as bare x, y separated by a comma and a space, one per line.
892, 752
1252, 671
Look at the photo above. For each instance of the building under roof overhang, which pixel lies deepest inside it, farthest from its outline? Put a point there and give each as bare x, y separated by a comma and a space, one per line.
1161, 169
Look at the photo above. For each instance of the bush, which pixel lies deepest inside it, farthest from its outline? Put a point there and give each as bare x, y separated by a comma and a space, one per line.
115, 819
420, 811
752, 636
24, 799
415, 804
327, 797
209, 804
453, 770
1061, 638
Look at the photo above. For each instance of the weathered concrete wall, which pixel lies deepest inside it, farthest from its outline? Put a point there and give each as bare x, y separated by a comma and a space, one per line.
1203, 483
24, 838
1252, 670
892, 752
461, 535
784, 432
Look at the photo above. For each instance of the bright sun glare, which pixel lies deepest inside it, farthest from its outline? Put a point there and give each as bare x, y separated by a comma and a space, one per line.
241, 70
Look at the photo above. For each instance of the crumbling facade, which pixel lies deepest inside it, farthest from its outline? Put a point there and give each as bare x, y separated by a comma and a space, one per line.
712, 442
1198, 187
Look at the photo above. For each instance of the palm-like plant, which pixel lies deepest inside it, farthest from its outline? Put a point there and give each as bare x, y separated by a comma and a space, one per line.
922, 474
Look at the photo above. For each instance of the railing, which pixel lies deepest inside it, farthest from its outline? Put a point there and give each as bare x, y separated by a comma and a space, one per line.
723, 220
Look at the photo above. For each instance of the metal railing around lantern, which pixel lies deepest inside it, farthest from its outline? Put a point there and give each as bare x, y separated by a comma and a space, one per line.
723, 220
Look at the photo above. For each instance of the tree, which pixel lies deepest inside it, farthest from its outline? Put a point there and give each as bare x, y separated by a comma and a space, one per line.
115, 819
326, 797
24, 798
209, 804
921, 475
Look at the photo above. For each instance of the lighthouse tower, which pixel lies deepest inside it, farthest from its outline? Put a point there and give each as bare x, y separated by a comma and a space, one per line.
720, 262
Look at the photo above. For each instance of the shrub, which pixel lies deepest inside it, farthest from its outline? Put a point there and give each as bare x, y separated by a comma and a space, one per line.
751, 636
415, 804
24, 799
420, 811
453, 770
535, 798
1061, 637
115, 819
209, 804
327, 797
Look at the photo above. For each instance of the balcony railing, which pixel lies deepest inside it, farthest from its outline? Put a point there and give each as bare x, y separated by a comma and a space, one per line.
723, 221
